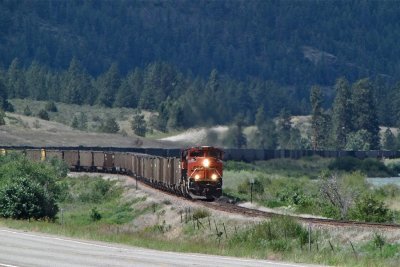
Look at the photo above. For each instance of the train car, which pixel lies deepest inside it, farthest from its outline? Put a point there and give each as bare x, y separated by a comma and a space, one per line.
201, 171
71, 157
86, 160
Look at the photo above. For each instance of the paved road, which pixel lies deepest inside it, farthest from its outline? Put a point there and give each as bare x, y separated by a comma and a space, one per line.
18, 248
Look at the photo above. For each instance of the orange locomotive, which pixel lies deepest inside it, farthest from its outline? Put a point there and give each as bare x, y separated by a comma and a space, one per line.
202, 171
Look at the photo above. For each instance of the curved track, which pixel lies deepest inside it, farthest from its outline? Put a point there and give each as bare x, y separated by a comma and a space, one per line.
235, 209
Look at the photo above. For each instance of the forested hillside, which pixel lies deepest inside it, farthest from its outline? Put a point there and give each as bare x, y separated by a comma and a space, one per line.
291, 42
200, 62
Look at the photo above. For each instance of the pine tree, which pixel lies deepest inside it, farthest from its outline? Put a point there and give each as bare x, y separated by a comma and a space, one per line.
51, 106
75, 123
108, 85
284, 128
43, 115
75, 86
139, 124
36, 81
2, 116
27, 111
364, 112
317, 121
341, 119
16, 80
82, 121
129, 91
389, 140
110, 126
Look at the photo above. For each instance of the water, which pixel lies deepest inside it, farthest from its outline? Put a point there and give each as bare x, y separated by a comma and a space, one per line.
384, 181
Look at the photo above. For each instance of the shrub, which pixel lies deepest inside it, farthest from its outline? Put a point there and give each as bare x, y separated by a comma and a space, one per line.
27, 111
245, 187
371, 167
369, 209
280, 234
200, 214
51, 106
109, 126
95, 215
43, 115
2, 116
24, 198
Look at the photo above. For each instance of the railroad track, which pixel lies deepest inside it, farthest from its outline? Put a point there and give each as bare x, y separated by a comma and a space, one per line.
235, 209
232, 208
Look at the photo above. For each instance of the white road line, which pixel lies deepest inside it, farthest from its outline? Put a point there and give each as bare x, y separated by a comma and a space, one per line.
7, 265
147, 250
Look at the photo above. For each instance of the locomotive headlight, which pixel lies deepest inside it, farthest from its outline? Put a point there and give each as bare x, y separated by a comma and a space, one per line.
206, 163
197, 177
214, 176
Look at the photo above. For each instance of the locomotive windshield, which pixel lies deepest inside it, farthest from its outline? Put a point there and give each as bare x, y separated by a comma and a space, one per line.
197, 153
214, 154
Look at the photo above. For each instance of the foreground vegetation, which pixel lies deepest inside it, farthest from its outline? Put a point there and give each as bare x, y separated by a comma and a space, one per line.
323, 187
98, 209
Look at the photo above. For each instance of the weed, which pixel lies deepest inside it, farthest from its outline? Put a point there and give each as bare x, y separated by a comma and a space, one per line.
95, 215
200, 214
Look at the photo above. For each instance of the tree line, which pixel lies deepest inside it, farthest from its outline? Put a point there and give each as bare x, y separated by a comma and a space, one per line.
292, 43
349, 121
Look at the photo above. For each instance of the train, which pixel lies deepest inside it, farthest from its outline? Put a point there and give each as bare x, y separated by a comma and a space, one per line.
196, 173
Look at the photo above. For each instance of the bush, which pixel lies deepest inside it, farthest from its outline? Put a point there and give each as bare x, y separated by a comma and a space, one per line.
245, 187
43, 115
369, 209
2, 116
109, 126
280, 234
371, 167
25, 199
51, 106
27, 111
200, 214
95, 215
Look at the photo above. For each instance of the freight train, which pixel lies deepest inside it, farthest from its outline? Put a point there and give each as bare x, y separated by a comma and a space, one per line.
197, 173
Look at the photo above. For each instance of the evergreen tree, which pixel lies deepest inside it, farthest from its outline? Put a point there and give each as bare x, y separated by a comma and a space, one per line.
139, 124
16, 80
82, 121
51, 106
36, 81
364, 112
389, 140
3, 95
2, 117
235, 137
43, 115
128, 93
317, 121
358, 140
342, 119
109, 126
284, 128
77, 84
75, 123
266, 131
108, 85
175, 116
27, 111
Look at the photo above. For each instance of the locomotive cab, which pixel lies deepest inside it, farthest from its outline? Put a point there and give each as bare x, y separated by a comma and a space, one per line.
202, 171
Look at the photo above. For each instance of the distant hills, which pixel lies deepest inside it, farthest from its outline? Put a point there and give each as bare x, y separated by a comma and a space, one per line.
290, 42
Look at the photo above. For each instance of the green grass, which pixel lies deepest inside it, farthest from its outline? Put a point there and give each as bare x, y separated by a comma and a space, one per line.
279, 239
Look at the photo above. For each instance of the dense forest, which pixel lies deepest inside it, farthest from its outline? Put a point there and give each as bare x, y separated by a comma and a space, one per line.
202, 62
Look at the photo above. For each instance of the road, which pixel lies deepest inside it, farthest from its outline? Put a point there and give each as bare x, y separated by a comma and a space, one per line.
18, 248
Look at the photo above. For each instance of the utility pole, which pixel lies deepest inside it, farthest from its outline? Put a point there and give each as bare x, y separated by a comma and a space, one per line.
251, 190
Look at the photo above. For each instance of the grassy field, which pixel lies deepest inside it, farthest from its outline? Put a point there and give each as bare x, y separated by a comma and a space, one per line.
96, 209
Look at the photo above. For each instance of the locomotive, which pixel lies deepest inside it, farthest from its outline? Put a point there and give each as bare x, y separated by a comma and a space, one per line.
202, 171
196, 173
